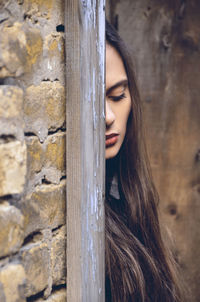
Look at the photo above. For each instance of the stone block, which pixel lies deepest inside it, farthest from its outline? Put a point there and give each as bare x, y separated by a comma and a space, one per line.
36, 10
54, 46
55, 152
12, 283
34, 47
11, 101
11, 117
47, 160
44, 108
12, 50
2, 4
35, 260
58, 258
11, 229
54, 54
49, 12
57, 296
45, 207
20, 48
12, 167
35, 158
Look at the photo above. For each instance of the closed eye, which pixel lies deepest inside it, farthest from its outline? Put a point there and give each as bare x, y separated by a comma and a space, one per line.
117, 98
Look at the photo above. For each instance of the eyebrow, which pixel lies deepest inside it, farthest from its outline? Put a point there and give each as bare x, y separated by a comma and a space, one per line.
118, 84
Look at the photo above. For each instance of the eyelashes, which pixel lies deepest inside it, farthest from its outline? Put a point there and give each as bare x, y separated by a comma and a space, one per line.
117, 98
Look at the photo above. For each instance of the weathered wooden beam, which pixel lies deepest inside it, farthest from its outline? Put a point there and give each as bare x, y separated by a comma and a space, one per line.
85, 56
166, 52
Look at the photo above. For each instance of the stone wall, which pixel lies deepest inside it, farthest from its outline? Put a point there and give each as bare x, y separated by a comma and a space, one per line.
32, 151
164, 37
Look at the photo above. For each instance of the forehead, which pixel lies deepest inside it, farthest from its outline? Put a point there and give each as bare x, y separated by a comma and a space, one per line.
115, 70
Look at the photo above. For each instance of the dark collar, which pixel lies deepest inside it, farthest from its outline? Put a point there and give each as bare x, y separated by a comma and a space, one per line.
114, 190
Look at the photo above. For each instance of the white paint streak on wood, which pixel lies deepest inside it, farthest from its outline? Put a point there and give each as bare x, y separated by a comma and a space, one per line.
85, 57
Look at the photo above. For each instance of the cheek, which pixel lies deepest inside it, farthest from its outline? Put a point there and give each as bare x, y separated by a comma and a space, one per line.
126, 111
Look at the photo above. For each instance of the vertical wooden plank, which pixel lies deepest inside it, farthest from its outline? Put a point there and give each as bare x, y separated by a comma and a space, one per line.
85, 56
164, 37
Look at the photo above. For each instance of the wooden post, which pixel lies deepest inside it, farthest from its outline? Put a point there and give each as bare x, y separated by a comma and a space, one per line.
167, 56
85, 56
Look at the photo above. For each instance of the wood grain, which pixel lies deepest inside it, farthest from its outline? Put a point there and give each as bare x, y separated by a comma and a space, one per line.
85, 56
164, 40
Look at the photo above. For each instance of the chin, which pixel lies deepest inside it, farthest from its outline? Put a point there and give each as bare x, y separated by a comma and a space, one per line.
111, 152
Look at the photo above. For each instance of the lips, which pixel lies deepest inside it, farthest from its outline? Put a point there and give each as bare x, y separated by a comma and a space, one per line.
111, 139
111, 135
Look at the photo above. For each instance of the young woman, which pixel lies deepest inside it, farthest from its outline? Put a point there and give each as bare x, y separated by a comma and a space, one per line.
138, 268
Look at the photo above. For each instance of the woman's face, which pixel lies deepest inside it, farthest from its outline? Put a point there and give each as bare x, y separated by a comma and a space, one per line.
118, 102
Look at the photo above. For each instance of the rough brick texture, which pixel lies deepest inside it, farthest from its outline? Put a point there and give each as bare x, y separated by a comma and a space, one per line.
20, 49
58, 296
35, 263
44, 208
11, 114
11, 101
12, 167
58, 257
44, 108
12, 229
46, 160
12, 283
32, 151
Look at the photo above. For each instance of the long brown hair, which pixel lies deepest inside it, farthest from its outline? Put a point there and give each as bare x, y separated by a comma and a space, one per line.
138, 268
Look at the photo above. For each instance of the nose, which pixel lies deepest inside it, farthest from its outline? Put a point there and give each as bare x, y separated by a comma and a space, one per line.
110, 116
